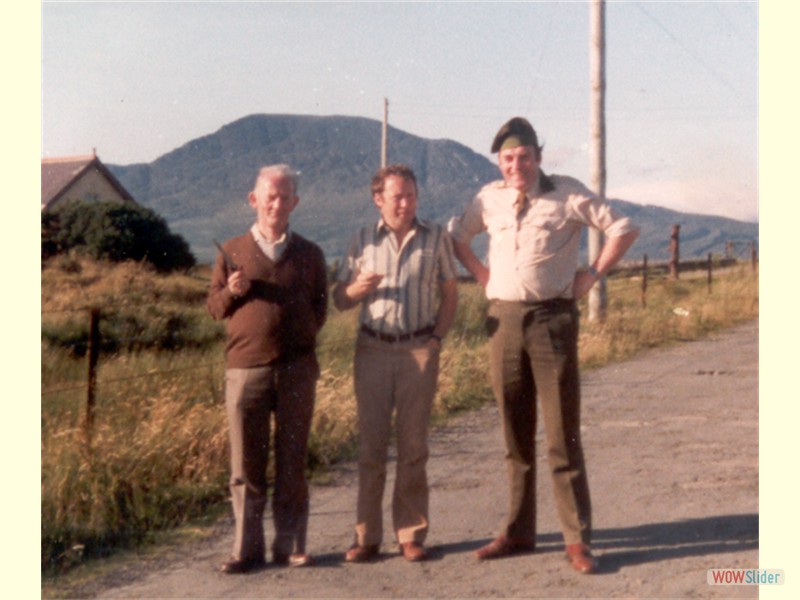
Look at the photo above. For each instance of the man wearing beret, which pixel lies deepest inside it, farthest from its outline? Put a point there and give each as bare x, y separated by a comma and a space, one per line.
534, 222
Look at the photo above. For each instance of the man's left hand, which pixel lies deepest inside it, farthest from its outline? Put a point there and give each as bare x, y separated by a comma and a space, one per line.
434, 344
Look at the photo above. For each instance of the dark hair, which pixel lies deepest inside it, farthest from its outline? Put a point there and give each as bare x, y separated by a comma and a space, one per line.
397, 170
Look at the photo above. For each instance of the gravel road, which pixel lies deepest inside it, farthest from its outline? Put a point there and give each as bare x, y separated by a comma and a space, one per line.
671, 439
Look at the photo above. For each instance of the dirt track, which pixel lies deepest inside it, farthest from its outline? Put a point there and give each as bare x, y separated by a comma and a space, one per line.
672, 445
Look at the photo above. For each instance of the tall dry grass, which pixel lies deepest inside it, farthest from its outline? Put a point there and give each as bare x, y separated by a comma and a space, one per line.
157, 454
676, 310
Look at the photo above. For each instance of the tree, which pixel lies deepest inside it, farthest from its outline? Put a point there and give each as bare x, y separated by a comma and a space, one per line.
114, 231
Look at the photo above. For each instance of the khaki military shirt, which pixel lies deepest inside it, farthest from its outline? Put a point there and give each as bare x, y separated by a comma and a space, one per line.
533, 256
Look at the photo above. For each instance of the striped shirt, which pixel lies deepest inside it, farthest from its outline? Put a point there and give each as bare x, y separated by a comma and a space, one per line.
405, 300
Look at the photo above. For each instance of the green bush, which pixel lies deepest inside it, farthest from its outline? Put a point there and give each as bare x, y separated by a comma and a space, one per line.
114, 231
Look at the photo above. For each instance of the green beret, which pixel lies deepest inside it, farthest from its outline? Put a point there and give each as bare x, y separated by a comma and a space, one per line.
517, 132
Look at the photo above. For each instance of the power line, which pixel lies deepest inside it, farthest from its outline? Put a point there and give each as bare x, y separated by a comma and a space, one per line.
686, 49
737, 31
546, 44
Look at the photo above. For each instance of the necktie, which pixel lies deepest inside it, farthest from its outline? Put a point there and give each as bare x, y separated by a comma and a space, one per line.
520, 203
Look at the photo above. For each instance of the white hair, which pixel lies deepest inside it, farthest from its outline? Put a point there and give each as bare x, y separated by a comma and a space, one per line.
280, 170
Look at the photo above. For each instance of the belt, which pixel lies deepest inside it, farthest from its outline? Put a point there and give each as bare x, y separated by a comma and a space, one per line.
551, 304
397, 337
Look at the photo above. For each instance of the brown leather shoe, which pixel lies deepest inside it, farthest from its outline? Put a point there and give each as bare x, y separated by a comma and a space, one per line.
238, 567
413, 551
581, 558
360, 554
503, 546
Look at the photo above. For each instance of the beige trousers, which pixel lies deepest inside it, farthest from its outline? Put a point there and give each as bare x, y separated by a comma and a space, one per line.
393, 379
253, 397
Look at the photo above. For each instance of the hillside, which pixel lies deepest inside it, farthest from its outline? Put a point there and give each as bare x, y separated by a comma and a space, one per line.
201, 188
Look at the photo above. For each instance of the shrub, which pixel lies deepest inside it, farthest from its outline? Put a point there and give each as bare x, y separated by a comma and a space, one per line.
114, 231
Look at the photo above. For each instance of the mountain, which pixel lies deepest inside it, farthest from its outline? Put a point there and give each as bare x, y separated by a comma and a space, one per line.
201, 188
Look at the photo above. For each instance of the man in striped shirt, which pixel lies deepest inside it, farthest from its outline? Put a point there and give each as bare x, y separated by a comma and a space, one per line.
402, 273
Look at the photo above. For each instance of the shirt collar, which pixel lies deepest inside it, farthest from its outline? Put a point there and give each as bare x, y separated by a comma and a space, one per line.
382, 228
541, 186
544, 183
275, 249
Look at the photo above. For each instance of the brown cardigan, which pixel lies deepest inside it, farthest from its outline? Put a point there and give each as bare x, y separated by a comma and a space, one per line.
279, 317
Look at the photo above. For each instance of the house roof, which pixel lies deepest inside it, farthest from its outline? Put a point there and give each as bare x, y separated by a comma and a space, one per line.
59, 174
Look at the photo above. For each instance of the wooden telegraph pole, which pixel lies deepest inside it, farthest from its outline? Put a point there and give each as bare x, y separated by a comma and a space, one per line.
597, 295
384, 131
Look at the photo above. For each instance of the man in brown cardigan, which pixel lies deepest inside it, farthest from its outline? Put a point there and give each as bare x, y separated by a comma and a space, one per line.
270, 284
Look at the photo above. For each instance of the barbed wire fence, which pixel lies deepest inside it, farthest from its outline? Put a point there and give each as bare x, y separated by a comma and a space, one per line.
89, 383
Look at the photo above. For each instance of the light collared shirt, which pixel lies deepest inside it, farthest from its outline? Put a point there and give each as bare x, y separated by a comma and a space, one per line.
406, 299
534, 256
272, 250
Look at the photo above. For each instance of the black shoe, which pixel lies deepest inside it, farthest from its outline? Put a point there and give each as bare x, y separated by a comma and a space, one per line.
361, 554
503, 546
238, 567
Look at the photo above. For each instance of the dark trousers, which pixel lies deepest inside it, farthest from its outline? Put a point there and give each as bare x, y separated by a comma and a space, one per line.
534, 353
252, 397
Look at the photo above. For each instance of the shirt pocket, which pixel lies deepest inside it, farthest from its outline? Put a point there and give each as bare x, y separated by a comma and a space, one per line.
502, 230
541, 235
497, 224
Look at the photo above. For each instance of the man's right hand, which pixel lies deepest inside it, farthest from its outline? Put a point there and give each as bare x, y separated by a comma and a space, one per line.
365, 283
238, 284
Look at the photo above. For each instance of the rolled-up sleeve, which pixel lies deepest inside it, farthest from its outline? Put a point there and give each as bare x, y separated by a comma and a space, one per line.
469, 224
599, 214
347, 268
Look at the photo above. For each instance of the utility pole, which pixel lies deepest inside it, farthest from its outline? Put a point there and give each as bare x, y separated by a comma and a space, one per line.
384, 131
597, 295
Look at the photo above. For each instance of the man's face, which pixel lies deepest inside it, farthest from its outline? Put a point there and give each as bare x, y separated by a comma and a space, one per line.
519, 166
397, 202
273, 200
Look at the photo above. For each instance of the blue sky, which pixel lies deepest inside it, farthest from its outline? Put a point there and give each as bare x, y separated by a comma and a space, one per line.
137, 80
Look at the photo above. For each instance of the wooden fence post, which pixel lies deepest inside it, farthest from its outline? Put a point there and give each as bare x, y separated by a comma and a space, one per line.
644, 282
91, 377
675, 253
710, 266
